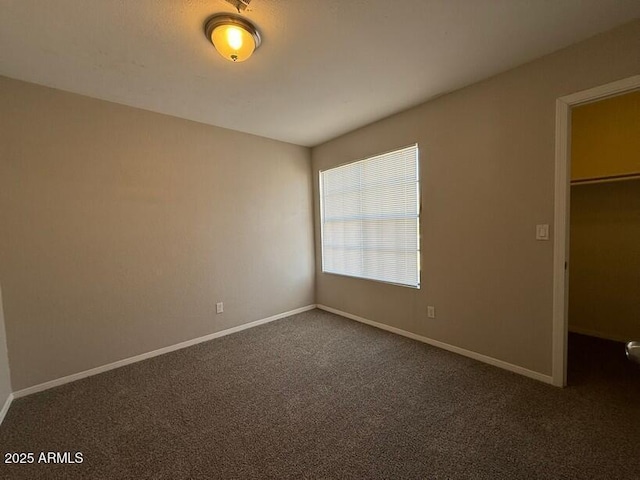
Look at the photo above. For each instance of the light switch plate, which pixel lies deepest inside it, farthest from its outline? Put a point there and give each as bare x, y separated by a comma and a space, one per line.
542, 231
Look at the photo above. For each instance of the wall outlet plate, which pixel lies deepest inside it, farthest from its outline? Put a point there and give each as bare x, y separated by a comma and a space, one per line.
219, 307
431, 311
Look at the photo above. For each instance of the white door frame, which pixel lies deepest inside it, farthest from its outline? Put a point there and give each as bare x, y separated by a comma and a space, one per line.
561, 214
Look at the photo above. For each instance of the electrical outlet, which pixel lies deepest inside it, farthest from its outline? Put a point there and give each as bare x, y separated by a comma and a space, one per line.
219, 307
431, 312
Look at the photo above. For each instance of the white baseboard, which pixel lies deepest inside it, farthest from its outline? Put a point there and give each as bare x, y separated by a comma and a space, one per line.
5, 407
461, 351
144, 356
595, 333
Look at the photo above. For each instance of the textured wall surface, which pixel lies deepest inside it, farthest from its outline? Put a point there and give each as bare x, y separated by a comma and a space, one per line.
487, 165
121, 228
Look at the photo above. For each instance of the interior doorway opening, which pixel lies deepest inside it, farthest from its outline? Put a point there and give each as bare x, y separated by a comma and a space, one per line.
563, 175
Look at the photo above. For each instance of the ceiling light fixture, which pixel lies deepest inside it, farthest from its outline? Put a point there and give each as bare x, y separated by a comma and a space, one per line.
234, 37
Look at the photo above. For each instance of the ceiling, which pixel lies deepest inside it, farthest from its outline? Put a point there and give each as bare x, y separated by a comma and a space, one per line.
325, 67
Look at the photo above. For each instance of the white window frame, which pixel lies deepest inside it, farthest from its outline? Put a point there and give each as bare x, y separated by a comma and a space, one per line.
417, 217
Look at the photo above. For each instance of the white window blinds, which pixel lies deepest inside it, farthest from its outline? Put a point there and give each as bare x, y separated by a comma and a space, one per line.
370, 218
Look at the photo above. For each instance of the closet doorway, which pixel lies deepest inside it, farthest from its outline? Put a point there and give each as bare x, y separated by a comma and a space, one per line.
604, 238
597, 218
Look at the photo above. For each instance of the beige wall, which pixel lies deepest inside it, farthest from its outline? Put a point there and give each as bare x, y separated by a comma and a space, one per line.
5, 379
487, 160
121, 228
604, 293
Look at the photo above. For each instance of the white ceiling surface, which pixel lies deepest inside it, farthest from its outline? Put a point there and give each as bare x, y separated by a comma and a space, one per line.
325, 66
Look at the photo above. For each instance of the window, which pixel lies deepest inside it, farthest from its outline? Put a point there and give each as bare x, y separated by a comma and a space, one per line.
369, 217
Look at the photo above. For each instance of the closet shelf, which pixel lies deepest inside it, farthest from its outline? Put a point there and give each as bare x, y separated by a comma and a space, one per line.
607, 179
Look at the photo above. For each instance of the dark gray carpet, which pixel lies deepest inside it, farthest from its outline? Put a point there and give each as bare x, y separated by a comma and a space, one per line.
319, 396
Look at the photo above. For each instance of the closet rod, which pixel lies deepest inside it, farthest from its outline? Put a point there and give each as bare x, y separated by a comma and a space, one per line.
612, 178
